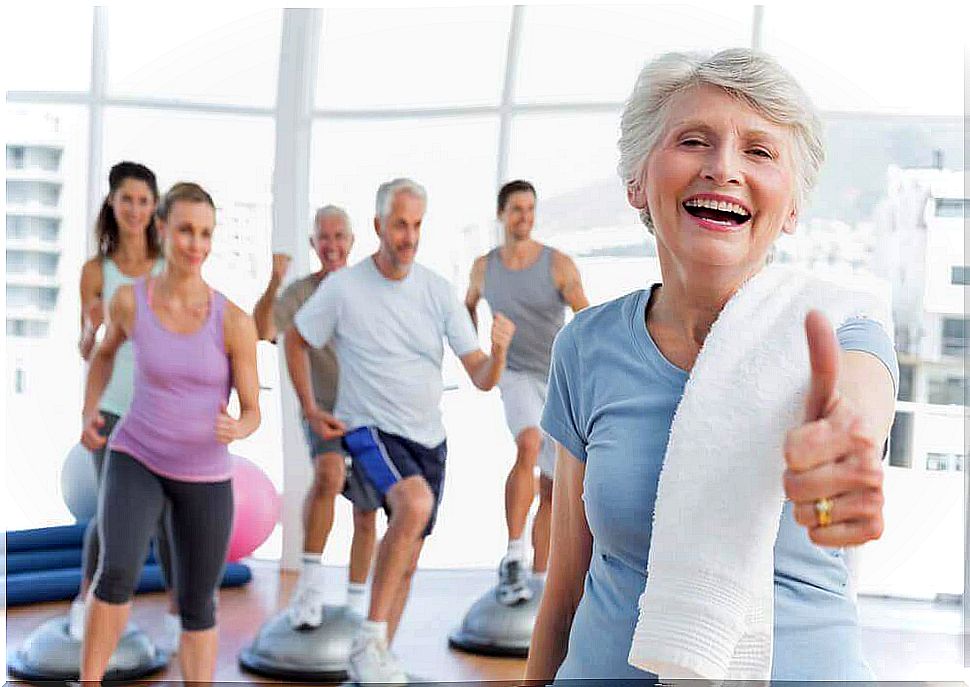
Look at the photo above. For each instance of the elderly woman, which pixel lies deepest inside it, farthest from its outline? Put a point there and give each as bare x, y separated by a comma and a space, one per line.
718, 154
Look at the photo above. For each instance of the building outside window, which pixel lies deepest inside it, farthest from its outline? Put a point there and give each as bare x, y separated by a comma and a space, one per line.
956, 331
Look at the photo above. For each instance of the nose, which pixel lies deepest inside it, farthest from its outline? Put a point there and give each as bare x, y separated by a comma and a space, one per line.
722, 166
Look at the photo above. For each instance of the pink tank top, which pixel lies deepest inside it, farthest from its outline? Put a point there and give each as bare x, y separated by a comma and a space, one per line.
180, 381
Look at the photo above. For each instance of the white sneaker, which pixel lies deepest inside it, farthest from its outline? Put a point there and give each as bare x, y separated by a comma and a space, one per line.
75, 620
513, 588
305, 611
371, 662
171, 634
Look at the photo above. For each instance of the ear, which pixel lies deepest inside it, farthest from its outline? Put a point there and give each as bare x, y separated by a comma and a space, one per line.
377, 225
636, 194
310, 240
791, 221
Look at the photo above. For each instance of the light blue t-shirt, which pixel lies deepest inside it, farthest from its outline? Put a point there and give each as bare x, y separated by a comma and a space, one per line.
388, 338
612, 397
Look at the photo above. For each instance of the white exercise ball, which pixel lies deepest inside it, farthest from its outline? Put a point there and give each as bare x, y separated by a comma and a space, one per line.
79, 483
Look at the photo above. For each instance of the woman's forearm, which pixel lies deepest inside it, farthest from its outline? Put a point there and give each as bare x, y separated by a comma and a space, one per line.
99, 373
249, 419
550, 638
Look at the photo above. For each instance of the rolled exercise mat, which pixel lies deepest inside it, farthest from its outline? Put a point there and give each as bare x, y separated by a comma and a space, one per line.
56, 585
53, 559
43, 538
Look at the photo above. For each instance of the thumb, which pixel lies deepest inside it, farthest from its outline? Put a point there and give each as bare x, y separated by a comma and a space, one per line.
99, 420
823, 354
223, 409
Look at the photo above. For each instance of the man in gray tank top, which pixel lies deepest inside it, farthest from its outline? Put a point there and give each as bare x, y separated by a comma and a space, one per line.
530, 284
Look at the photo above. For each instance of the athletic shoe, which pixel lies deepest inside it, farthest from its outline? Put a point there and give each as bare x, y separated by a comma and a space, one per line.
75, 620
371, 662
513, 588
171, 634
305, 611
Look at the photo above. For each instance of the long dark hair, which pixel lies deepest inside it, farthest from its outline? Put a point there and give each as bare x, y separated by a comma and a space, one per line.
106, 226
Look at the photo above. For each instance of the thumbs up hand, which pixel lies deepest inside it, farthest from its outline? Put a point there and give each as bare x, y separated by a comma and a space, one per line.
227, 427
834, 473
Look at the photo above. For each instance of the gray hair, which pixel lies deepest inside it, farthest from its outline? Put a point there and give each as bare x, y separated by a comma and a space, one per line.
332, 211
389, 190
753, 77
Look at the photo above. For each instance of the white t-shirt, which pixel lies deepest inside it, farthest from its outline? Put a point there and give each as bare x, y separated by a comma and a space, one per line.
388, 338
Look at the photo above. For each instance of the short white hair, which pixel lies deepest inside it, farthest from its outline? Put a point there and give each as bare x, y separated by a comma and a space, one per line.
753, 77
331, 211
389, 190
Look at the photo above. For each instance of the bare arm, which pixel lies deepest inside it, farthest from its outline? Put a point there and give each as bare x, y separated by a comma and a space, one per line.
568, 281
121, 317
476, 284
485, 370
240, 337
298, 366
867, 385
263, 312
571, 546
92, 306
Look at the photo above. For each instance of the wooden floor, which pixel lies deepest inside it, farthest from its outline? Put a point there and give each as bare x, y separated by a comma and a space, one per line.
915, 641
438, 601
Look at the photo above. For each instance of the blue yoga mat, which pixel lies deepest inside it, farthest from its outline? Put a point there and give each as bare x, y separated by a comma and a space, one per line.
45, 538
55, 585
53, 559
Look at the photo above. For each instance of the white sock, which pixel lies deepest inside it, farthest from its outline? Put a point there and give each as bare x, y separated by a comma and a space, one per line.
516, 550
313, 570
374, 628
357, 597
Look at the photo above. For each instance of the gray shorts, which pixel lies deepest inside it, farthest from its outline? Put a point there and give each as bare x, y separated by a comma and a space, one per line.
523, 396
357, 489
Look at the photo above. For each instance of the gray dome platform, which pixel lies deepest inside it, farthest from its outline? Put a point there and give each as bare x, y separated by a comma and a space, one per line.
494, 629
50, 653
316, 655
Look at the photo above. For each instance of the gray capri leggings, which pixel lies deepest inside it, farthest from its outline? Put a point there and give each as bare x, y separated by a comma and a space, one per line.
91, 549
132, 500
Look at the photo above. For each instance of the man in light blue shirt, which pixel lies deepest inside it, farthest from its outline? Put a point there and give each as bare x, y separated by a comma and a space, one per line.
386, 318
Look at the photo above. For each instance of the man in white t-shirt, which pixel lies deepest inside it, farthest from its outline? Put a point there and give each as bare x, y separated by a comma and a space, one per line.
386, 318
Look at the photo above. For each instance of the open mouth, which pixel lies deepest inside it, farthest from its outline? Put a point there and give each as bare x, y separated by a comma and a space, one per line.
717, 211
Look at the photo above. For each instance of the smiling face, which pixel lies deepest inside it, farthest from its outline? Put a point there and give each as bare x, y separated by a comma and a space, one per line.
332, 242
400, 231
518, 215
720, 182
187, 234
133, 204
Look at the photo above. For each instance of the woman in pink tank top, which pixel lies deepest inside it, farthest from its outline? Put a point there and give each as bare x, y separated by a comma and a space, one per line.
191, 347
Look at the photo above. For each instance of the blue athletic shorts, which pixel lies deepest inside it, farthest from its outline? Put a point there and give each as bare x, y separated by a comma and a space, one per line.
385, 459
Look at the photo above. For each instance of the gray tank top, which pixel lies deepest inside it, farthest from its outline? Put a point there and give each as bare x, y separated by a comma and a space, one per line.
531, 300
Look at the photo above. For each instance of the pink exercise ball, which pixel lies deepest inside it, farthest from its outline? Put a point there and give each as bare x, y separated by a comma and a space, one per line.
256, 508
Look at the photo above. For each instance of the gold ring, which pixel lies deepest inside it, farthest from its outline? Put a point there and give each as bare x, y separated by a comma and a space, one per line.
823, 507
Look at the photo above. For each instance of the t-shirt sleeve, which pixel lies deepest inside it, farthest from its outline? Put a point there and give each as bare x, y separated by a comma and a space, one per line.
285, 307
317, 319
863, 334
458, 325
562, 418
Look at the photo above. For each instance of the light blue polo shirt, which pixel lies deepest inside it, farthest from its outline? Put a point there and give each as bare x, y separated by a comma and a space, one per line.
612, 397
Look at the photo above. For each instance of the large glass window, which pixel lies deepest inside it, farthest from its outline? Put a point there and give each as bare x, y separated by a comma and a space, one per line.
50, 49
847, 71
214, 54
399, 58
454, 158
46, 183
577, 53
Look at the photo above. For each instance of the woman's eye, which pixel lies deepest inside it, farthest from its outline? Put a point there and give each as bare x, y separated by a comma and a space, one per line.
692, 142
761, 152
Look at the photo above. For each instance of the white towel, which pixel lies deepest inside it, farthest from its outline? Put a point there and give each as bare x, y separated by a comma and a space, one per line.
707, 608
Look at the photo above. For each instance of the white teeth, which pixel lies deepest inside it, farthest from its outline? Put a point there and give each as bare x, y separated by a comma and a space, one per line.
716, 205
